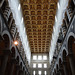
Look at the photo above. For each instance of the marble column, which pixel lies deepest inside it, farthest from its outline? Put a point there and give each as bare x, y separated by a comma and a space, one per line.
4, 64
6, 53
17, 69
20, 72
65, 68
72, 64
61, 71
23, 72
58, 73
12, 65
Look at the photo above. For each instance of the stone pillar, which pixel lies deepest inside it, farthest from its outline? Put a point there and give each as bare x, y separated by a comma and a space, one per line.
23, 72
54, 72
17, 69
4, 61
61, 71
58, 73
20, 72
65, 68
72, 64
12, 66
4, 64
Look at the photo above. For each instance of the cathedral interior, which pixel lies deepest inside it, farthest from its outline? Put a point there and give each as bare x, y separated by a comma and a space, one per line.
37, 37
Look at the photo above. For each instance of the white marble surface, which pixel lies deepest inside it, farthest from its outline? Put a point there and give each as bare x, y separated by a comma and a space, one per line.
17, 14
56, 29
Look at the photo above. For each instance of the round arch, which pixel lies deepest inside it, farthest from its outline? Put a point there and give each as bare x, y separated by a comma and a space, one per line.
71, 45
21, 65
60, 62
17, 59
6, 41
64, 54
54, 71
13, 52
66, 63
5, 34
56, 68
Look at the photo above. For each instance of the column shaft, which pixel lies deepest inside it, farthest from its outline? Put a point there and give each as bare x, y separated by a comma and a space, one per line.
65, 68
4, 63
72, 65
12, 69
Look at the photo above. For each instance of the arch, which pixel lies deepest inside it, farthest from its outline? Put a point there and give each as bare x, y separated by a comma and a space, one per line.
61, 68
13, 52
64, 54
70, 34
71, 45
71, 52
55, 71
5, 32
23, 68
66, 63
60, 62
56, 67
17, 59
21, 64
6, 41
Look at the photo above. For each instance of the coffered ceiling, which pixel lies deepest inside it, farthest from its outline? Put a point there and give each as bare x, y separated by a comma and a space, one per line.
39, 17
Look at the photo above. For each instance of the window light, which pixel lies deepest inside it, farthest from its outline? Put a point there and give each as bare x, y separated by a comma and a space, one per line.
34, 57
39, 72
39, 57
56, 18
16, 42
58, 5
44, 57
45, 65
22, 20
19, 7
33, 72
39, 65
45, 72
34, 65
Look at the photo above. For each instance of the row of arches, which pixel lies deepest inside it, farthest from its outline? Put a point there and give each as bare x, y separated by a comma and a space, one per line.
66, 59
11, 61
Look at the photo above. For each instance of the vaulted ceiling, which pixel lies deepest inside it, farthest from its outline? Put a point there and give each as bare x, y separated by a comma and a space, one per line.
39, 18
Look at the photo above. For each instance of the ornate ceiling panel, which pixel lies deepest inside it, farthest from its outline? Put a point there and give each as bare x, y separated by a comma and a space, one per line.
39, 17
